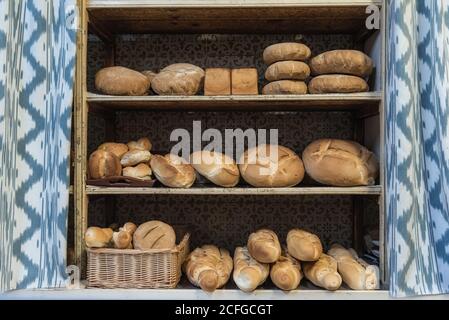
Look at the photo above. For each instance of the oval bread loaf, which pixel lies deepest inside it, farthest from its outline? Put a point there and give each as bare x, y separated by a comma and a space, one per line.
323, 272
335, 83
286, 273
134, 157
264, 246
119, 149
173, 171
121, 81
350, 62
248, 273
303, 245
154, 235
340, 163
216, 167
286, 51
285, 87
104, 164
287, 70
178, 79
141, 171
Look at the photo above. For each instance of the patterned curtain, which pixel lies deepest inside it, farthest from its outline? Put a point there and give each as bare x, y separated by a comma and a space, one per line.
417, 137
37, 60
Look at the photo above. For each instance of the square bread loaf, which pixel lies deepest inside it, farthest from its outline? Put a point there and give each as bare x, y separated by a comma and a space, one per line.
244, 81
217, 82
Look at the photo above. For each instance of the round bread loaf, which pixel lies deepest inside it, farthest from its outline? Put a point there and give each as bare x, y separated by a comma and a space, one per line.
335, 83
286, 51
121, 81
134, 157
141, 171
173, 171
216, 167
119, 149
154, 235
287, 70
340, 163
350, 62
264, 246
178, 79
285, 87
104, 164
262, 167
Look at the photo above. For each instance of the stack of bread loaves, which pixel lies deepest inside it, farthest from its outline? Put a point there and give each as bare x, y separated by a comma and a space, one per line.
340, 71
287, 69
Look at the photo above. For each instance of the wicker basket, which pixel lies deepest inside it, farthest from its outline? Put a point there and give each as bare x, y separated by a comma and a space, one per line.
129, 268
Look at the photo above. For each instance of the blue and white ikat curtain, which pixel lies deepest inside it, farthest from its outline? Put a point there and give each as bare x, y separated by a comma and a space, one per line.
37, 61
417, 138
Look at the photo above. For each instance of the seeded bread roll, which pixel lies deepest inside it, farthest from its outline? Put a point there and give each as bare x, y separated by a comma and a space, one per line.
303, 245
134, 157
141, 171
323, 272
248, 272
216, 167
264, 246
119, 149
173, 171
340, 163
335, 83
122, 82
154, 235
287, 70
104, 164
178, 79
351, 62
286, 51
285, 87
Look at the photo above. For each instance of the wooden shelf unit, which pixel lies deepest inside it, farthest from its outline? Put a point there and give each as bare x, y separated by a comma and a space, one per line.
108, 18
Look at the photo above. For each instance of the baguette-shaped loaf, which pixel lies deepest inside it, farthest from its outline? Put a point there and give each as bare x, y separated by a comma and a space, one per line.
303, 245
356, 275
286, 273
264, 246
208, 267
173, 171
351, 62
96, 237
248, 272
323, 272
216, 167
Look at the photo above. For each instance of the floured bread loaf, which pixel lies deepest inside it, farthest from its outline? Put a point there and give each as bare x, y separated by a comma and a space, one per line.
264, 246
261, 167
286, 273
134, 157
340, 163
216, 167
104, 164
173, 171
248, 272
350, 62
141, 171
121, 81
303, 245
286, 51
178, 79
323, 272
287, 70
285, 87
154, 235
119, 149
335, 83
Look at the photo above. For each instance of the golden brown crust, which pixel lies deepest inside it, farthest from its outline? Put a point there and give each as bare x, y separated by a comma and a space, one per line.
287, 70
178, 79
285, 87
173, 171
154, 235
104, 164
333, 83
351, 62
286, 51
264, 246
217, 82
121, 81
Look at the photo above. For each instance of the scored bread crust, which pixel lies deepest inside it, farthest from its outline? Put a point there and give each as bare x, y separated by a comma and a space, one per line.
216, 167
154, 235
173, 171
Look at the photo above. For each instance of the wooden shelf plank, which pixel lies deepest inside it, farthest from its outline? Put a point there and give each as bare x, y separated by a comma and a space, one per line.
372, 190
365, 103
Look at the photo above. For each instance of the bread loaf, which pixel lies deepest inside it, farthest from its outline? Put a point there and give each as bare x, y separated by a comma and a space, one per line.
129, 227
208, 267
340, 163
122, 82
96, 237
244, 81
122, 239
149, 74
350, 62
303, 245
143, 144
141, 171
287, 70
134, 157
173, 171
285, 87
271, 166
286, 51
217, 82
216, 167
335, 83
323, 272
178, 79
104, 164
286, 273
356, 275
248, 273
264, 246
154, 235
119, 149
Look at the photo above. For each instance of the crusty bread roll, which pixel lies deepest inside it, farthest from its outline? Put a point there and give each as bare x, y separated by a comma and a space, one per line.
271, 166
104, 164
286, 51
357, 275
122, 239
285, 87
244, 81
264, 246
119, 149
96, 237
323, 272
141, 171
173, 171
340, 163
143, 144
286, 273
350, 62
178, 79
303, 245
134, 157
287, 70
149, 74
208, 267
336, 83
121, 81
129, 227
216, 167
248, 272
154, 235
217, 82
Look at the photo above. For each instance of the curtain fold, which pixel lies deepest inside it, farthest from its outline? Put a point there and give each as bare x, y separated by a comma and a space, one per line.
37, 61
417, 146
